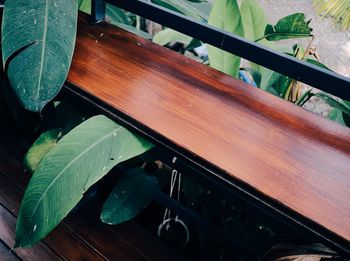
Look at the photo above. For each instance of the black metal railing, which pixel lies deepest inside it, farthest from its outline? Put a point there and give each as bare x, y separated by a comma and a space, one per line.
310, 74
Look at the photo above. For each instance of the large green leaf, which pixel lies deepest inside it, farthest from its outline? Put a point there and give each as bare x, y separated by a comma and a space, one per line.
254, 19
79, 159
132, 193
117, 15
292, 26
341, 105
169, 35
38, 39
337, 116
317, 63
40, 148
225, 15
183, 7
254, 22
85, 6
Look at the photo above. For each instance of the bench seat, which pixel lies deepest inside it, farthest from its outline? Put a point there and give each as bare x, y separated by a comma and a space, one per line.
293, 157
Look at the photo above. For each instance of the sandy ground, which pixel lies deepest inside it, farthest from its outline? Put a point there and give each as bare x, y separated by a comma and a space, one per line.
332, 45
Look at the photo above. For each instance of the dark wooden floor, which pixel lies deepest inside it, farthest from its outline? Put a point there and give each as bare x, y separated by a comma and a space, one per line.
80, 237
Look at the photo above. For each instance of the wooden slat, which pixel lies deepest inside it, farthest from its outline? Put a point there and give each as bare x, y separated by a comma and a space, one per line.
7, 234
290, 155
61, 239
6, 254
143, 241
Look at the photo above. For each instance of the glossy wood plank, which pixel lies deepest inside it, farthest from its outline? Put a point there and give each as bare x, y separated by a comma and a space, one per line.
298, 159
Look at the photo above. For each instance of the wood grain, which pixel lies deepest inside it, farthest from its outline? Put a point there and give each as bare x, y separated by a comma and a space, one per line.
62, 240
7, 235
298, 159
6, 254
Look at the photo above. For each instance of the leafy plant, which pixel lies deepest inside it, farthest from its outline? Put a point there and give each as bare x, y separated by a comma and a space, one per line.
40, 148
292, 26
68, 170
36, 57
129, 196
65, 162
254, 26
168, 35
38, 43
184, 7
339, 10
225, 15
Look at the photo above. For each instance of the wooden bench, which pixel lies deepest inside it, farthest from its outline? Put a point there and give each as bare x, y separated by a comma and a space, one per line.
295, 163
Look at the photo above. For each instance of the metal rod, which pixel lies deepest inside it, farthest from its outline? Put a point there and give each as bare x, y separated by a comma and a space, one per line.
313, 75
98, 11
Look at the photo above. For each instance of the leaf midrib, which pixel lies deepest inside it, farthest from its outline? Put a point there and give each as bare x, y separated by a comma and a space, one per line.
68, 165
43, 48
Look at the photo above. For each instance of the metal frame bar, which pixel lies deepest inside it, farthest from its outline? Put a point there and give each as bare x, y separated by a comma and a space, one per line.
98, 11
313, 75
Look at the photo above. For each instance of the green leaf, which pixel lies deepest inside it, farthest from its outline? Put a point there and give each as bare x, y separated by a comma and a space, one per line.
292, 26
278, 84
134, 30
38, 39
266, 74
132, 194
40, 148
169, 35
185, 8
85, 6
79, 160
254, 21
282, 85
225, 15
337, 116
317, 63
117, 15
339, 105
304, 98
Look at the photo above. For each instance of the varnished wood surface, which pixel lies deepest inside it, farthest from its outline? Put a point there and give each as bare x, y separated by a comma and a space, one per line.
81, 236
293, 156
